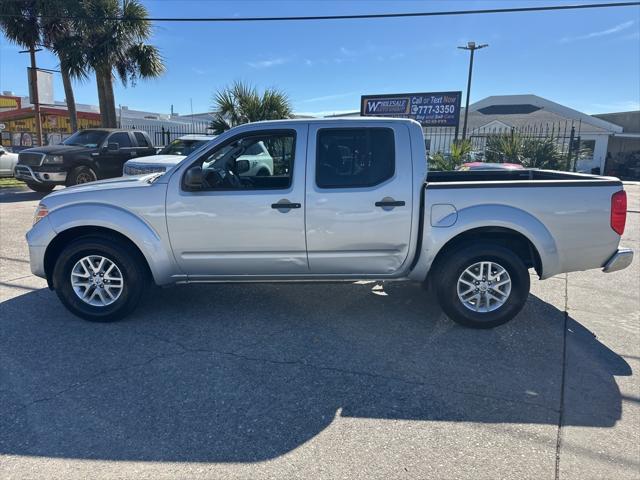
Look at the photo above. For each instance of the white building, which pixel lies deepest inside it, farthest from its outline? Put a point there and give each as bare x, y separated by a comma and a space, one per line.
530, 113
523, 111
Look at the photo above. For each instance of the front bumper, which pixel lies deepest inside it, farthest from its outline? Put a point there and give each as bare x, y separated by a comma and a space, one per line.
619, 261
38, 239
26, 173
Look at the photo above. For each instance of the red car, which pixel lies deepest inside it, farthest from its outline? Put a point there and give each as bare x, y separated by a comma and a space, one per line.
490, 166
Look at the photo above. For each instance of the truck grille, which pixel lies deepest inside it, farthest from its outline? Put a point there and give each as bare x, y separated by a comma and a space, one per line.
30, 159
142, 169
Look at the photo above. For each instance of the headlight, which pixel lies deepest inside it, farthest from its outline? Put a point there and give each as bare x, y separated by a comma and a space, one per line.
41, 212
53, 159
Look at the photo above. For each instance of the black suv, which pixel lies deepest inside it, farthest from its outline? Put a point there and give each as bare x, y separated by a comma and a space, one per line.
85, 156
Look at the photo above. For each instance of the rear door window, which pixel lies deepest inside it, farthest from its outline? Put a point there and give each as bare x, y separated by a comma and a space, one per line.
354, 157
141, 139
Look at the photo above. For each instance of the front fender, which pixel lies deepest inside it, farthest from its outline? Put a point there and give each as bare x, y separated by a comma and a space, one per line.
155, 249
489, 215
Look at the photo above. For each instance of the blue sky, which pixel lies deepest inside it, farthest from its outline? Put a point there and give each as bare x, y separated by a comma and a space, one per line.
588, 60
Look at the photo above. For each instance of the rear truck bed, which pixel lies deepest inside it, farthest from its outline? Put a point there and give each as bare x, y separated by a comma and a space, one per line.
562, 221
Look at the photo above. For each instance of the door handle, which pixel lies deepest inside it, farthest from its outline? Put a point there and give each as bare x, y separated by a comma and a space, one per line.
285, 205
390, 203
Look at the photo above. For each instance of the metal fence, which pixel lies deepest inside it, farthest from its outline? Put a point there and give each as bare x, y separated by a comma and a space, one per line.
566, 136
162, 133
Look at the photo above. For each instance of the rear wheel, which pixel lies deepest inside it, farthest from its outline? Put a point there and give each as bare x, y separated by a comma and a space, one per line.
40, 187
99, 279
481, 285
81, 175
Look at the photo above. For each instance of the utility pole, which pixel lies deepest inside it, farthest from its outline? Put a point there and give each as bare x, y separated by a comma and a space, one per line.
472, 47
33, 89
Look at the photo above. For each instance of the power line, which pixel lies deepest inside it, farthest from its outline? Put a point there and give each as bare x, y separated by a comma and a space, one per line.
351, 17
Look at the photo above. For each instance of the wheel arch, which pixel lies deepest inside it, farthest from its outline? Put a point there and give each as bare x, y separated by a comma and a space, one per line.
76, 221
506, 237
67, 236
503, 224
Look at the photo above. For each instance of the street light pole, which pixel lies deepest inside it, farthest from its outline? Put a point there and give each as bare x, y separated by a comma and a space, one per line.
472, 47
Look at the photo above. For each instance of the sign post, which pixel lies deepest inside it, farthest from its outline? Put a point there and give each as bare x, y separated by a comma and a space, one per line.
436, 109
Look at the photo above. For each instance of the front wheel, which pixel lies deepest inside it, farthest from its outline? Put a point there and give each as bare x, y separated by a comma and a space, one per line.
99, 279
481, 285
81, 175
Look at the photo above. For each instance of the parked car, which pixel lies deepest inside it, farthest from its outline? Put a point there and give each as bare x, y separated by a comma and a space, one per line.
255, 161
490, 166
167, 157
8, 161
349, 199
86, 156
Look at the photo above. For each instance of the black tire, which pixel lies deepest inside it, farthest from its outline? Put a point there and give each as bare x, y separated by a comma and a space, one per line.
263, 172
445, 277
134, 275
40, 187
81, 175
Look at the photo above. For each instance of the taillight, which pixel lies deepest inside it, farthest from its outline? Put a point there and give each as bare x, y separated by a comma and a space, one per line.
619, 211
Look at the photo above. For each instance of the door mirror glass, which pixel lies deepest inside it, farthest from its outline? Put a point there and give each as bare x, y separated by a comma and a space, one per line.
193, 178
113, 147
242, 166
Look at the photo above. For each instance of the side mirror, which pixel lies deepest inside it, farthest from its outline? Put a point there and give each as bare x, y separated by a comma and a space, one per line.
193, 178
242, 166
113, 147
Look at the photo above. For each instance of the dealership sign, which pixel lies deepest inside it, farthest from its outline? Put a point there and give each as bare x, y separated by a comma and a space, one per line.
430, 109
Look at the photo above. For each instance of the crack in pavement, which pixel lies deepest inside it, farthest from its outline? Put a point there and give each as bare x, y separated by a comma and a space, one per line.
563, 375
297, 362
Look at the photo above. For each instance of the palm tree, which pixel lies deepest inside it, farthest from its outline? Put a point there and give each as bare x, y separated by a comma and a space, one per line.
241, 103
111, 40
59, 35
28, 24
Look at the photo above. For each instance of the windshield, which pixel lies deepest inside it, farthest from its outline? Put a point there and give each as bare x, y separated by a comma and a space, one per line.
182, 147
86, 138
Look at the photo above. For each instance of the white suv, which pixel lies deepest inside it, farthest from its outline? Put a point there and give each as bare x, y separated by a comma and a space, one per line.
255, 161
169, 156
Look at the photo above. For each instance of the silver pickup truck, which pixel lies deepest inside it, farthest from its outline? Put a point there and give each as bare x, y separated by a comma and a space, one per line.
348, 199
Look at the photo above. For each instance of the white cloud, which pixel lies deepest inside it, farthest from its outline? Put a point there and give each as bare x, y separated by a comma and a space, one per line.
324, 113
268, 63
349, 53
328, 97
601, 33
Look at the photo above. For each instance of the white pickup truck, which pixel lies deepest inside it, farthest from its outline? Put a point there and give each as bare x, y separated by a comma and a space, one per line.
347, 199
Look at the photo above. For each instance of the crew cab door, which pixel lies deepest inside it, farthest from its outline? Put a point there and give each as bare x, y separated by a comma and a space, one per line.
236, 222
358, 199
110, 162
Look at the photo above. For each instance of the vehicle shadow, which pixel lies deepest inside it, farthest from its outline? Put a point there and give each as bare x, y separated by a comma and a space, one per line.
243, 373
15, 195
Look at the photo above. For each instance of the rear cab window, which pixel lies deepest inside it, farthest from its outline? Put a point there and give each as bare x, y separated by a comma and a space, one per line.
141, 139
354, 157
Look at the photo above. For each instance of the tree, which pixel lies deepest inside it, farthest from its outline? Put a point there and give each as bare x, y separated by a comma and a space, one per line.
504, 148
541, 153
111, 40
530, 152
459, 153
241, 103
28, 24
60, 36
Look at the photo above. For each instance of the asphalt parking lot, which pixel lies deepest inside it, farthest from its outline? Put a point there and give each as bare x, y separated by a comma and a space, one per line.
318, 381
